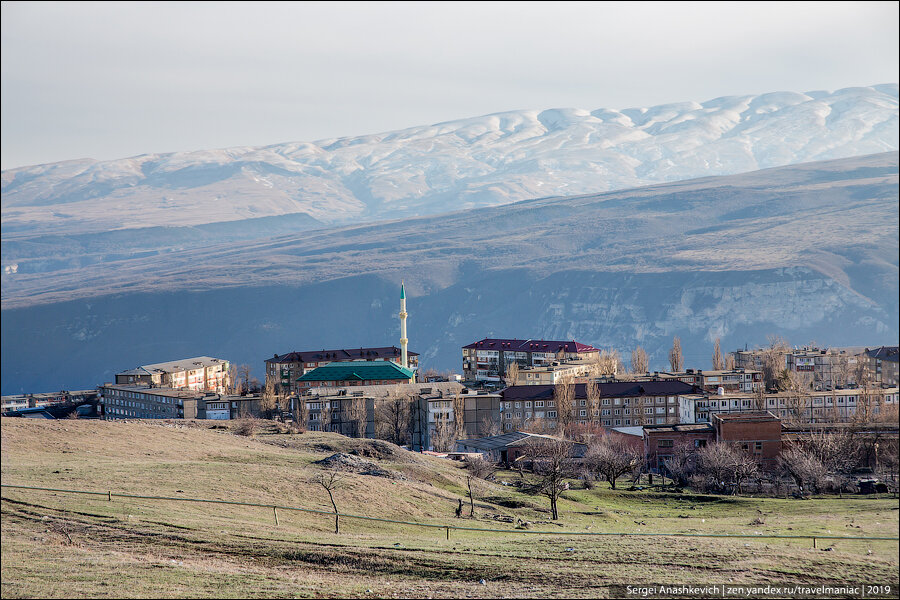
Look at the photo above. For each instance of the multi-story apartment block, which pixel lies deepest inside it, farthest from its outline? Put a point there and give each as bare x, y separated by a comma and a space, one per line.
285, 369
881, 364
146, 402
489, 359
827, 368
619, 404
573, 370
736, 380
200, 374
827, 406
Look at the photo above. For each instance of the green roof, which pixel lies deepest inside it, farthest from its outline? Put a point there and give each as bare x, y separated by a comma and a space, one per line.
360, 371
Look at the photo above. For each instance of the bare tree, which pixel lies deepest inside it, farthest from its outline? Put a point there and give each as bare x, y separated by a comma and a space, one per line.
840, 370
552, 465
799, 400
676, 357
729, 361
459, 415
490, 427
606, 364
718, 363
594, 395
393, 417
357, 417
479, 470
243, 373
301, 412
325, 414
442, 438
639, 361
231, 379
682, 463
773, 360
564, 401
512, 373
331, 480
611, 459
269, 399
802, 467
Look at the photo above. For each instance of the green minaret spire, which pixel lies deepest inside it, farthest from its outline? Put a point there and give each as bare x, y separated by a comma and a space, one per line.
402, 291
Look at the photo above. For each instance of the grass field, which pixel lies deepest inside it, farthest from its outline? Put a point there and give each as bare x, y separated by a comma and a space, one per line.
66, 545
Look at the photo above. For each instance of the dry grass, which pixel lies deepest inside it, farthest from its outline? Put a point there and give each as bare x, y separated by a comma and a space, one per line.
59, 545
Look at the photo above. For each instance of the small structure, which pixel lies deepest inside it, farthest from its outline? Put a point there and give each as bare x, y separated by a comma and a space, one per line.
509, 447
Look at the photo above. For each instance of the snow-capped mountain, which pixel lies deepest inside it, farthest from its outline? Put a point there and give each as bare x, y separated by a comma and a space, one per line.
482, 161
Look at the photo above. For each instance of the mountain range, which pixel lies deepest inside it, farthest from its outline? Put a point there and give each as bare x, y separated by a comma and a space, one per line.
612, 227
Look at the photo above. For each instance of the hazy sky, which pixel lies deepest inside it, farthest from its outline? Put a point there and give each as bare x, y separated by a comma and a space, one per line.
110, 80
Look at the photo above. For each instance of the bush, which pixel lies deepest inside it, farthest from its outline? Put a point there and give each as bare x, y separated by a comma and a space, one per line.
246, 427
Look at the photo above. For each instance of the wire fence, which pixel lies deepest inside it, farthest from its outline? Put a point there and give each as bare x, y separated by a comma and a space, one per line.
447, 528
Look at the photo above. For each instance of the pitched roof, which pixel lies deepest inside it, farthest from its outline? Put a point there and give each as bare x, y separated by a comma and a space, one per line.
515, 345
343, 354
617, 389
358, 371
889, 353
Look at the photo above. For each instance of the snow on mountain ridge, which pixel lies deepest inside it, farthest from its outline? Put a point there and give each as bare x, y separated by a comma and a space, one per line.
480, 161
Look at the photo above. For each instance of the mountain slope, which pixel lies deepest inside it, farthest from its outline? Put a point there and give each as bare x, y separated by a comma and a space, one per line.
806, 251
483, 161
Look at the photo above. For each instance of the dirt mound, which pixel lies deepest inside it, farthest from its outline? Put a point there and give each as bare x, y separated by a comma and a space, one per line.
350, 463
368, 448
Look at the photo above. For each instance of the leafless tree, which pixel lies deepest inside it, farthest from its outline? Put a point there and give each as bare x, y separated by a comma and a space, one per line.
772, 359
840, 370
325, 414
331, 480
611, 458
594, 395
802, 467
682, 463
718, 363
479, 470
676, 357
607, 364
512, 373
393, 417
459, 415
269, 399
564, 401
357, 417
640, 363
231, 379
301, 412
552, 465
759, 398
729, 361
490, 427
442, 438
243, 373
715, 463
799, 400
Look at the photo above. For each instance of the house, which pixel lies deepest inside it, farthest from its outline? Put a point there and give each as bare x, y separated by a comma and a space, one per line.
489, 359
509, 447
285, 369
757, 433
342, 374
199, 374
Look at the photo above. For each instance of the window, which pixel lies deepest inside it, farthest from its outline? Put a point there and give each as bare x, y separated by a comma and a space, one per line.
757, 446
617, 411
648, 410
606, 402
551, 414
699, 443
582, 413
666, 443
539, 404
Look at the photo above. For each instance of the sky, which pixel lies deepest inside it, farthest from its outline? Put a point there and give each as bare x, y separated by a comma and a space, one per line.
116, 79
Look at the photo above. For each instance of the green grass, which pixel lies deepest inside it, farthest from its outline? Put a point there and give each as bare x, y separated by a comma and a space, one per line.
58, 545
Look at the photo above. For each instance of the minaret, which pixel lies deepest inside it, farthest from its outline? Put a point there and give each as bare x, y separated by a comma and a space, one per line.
403, 358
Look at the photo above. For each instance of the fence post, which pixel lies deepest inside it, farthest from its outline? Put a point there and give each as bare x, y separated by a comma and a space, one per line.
448, 531
109, 495
815, 545
275, 510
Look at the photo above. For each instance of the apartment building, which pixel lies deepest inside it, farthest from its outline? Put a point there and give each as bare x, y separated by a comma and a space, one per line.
827, 406
619, 404
555, 372
736, 380
489, 359
828, 368
881, 364
145, 402
285, 369
199, 374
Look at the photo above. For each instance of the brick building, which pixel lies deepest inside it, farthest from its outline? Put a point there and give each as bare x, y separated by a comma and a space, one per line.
488, 359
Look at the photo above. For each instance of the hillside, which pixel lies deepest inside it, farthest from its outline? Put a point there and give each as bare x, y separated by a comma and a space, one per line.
807, 252
62, 545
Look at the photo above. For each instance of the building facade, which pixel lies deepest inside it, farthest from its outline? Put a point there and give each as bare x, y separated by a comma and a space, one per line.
489, 359
199, 374
881, 363
285, 369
